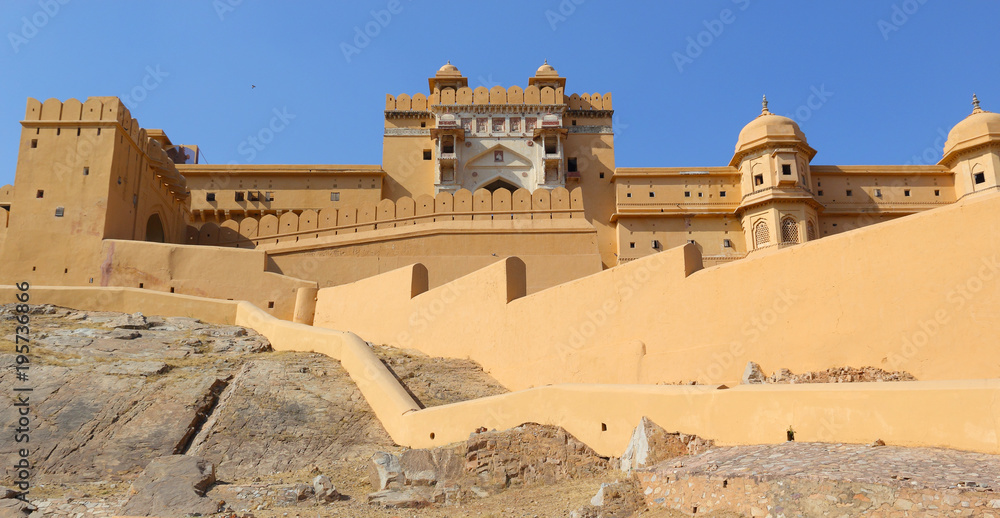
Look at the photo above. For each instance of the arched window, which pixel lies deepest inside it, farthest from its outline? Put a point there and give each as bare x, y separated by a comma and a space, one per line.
761, 235
789, 231
810, 231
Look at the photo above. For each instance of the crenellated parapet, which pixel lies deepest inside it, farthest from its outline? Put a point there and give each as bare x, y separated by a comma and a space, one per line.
521, 206
496, 97
103, 112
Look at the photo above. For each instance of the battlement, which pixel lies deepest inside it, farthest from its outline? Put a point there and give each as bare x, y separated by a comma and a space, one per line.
103, 112
498, 95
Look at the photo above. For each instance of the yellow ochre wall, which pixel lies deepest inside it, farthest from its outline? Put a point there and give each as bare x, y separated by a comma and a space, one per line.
94, 162
937, 413
915, 294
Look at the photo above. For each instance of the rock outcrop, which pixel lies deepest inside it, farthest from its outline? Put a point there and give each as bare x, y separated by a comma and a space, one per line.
173, 486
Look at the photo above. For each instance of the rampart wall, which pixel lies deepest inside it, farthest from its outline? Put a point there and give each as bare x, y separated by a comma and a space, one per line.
463, 205
916, 294
939, 413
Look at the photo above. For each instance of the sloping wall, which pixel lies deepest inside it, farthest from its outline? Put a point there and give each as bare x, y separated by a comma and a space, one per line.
918, 294
946, 414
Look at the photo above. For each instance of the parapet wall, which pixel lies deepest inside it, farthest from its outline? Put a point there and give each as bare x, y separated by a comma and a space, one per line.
203, 271
289, 227
938, 414
498, 95
916, 294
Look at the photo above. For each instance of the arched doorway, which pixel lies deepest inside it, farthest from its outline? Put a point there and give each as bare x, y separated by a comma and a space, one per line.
154, 229
500, 183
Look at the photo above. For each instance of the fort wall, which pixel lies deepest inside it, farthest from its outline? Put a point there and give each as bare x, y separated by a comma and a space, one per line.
914, 294
944, 414
203, 271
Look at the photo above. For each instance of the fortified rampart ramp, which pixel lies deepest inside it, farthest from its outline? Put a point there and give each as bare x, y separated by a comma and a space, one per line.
919, 294
950, 414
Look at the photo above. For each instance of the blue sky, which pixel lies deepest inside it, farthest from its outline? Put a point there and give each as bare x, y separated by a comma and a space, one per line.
871, 82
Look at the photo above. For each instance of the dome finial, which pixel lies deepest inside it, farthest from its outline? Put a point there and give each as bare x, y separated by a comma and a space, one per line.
546, 61
764, 110
975, 104
449, 62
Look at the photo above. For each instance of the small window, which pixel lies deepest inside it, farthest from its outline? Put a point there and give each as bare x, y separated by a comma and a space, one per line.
270, 304
119, 180
86, 171
758, 179
209, 196
602, 175
722, 194
687, 194
240, 195
727, 243
850, 192
423, 124
906, 192
34, 143
691, 241
628, 195
574, 122
334, 196
786, 169
631, 245
60, 211
701, 194
878, 193
819, 192
40, 194
937, 192
980, 178
427, 154
253, 195
652, 194
269, 196
571, 165
655, 244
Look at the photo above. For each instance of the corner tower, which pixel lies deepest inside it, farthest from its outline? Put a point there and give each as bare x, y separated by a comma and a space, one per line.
972, 152
778, 206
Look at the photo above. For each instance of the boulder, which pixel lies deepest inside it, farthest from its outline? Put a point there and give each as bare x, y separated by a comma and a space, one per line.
14, 508
133, 321
419, 468
173, 485
324, 490
651, 444
384, 471
752, 375
408, 498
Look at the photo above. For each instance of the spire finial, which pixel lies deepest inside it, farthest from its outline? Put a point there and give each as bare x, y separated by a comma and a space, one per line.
449, 61
764, 110
546, 61
975, 104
